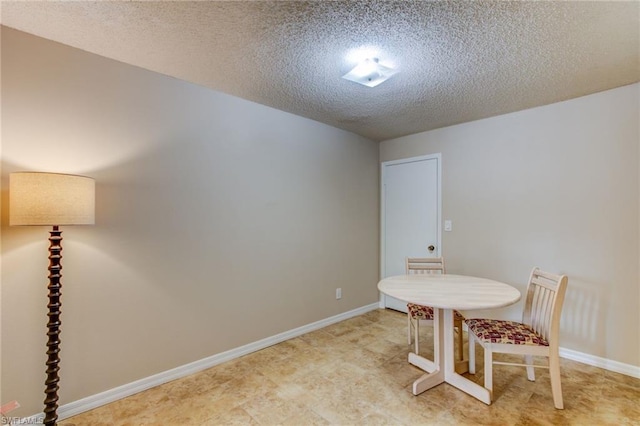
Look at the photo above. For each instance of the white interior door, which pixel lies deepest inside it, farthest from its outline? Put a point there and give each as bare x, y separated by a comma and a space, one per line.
410, 215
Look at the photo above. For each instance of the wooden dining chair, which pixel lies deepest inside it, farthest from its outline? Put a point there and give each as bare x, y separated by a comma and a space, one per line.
536, 335
417, 314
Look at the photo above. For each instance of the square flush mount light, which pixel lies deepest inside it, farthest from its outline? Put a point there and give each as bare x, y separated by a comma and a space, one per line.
370, 73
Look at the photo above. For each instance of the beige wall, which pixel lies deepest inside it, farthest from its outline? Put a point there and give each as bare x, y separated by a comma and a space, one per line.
554, 187
219, 221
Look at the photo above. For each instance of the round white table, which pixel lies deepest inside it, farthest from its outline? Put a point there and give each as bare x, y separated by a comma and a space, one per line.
446, 293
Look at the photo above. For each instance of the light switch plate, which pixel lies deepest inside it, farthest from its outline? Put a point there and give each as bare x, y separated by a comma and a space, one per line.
447, 225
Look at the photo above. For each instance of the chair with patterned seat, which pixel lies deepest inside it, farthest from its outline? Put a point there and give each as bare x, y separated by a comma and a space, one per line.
417, 314
536, 335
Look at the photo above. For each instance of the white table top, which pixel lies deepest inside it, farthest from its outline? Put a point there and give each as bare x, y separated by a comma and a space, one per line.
447, 291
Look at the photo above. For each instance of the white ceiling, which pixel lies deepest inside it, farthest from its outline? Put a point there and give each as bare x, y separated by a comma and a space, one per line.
459, 61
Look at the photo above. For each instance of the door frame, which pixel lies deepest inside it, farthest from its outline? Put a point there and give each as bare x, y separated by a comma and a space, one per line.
383, 165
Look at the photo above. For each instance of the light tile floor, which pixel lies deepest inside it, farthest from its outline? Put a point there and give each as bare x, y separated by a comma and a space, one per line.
356, 373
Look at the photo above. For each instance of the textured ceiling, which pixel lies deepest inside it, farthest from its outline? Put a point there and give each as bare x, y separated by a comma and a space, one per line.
458, 61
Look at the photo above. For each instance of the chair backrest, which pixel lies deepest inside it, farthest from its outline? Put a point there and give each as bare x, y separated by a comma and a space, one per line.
425, 265
543, 303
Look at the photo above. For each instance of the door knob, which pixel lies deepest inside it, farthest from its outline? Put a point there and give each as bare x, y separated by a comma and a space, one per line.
431, 248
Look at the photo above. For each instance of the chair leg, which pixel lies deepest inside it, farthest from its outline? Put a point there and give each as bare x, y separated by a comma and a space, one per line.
556, 387
416, 339
409, 327
488, 369
472, 353
531, 373
458, 324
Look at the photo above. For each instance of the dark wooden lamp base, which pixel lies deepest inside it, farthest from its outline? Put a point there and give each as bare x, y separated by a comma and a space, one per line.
53, 326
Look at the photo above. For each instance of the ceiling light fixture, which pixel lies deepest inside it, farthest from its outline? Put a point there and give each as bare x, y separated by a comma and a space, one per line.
370, 72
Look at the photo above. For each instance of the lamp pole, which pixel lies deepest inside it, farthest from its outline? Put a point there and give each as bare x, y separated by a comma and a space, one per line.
53, 327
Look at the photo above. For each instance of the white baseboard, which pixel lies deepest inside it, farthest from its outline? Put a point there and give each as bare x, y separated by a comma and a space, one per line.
103, 398
604, 363
89, 403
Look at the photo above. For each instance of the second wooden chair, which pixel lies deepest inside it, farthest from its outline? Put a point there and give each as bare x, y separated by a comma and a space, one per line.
417, 314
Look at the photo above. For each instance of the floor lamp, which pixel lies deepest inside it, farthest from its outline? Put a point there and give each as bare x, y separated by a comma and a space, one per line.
52, 199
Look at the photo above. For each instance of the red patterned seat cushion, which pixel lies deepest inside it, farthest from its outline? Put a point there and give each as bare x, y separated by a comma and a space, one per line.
500, 331
420, 312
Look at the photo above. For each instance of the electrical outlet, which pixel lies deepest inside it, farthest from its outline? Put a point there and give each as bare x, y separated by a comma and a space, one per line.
338, 293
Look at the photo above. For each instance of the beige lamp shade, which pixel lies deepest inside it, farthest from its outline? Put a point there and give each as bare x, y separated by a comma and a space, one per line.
51, 199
